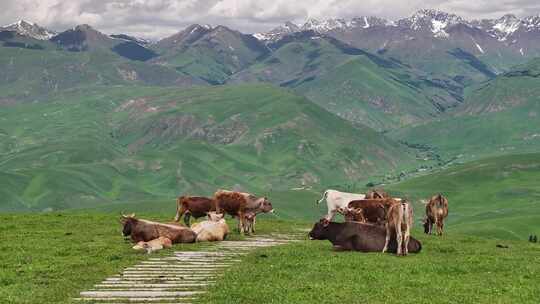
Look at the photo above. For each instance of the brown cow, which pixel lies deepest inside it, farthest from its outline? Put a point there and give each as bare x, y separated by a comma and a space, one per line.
196, 206
237, 204
436, 212
143, 230
373, 210
357, 237
399, 222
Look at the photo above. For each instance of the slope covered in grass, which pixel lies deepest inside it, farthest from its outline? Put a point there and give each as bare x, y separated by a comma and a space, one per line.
94, 145
497, 117
495, 197
357, 85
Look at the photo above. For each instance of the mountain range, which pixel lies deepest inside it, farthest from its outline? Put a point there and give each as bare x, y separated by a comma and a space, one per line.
337, 102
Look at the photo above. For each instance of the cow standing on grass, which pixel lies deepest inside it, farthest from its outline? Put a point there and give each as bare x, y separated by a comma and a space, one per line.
436, 212
336, 199
237, 204
196, 206
399, 223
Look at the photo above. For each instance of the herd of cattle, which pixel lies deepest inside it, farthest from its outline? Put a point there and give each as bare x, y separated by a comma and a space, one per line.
374, 221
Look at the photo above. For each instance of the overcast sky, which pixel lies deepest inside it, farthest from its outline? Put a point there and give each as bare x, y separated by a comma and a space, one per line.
160, 18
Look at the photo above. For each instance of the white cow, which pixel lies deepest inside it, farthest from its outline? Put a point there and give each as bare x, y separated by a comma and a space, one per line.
336, 199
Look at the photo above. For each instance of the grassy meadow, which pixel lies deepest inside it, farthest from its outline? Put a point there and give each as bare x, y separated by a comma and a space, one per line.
449, 269
49, 258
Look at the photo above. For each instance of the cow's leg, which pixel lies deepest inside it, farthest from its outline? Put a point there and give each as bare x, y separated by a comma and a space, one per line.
241, 221
406, 238
387, 240
430, 226
187, 217
441, 222
253, 225
399, 239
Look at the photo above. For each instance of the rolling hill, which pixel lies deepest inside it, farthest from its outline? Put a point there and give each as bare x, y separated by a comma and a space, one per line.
95, 145
497, 117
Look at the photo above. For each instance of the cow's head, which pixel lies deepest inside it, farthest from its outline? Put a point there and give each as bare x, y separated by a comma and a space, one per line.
265, 205
352, 214
319, 230
127, 222
214, 216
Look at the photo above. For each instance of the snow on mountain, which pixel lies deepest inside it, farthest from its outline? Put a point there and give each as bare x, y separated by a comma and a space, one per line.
29, 29
431, 21
278, 32
505, 27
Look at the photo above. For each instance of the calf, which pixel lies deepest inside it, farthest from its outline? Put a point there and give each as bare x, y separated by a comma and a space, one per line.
143, 230
237, 204
196, 206
336, 199
251, 217
154, 245
357, 236
352, 214
436, 212
373, 210
399, 222
213, 229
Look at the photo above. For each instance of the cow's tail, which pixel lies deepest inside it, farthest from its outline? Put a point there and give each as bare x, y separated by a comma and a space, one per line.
325, 195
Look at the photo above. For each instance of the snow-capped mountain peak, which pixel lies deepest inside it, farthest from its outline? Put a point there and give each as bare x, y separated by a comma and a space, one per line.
433, 20
29, 29
505, 26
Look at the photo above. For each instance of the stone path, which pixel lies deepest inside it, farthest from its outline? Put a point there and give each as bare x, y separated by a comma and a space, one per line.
179, 278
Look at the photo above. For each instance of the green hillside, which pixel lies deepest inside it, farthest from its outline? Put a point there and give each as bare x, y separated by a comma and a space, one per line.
384, 97
495, 197
86, 147
354, 84
212, 54
497, 117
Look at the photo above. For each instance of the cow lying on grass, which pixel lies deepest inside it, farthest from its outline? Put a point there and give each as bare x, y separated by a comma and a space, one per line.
143, 230
196, 206
213, 229
153, 245
357, 237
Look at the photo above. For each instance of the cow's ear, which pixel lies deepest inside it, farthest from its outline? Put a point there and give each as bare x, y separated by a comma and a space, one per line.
326, 222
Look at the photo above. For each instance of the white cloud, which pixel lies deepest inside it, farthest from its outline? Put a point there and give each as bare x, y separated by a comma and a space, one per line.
159, 18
